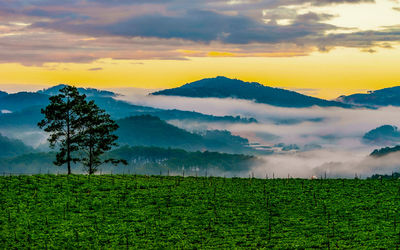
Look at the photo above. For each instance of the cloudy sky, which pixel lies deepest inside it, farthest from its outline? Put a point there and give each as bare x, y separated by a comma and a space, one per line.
320, 47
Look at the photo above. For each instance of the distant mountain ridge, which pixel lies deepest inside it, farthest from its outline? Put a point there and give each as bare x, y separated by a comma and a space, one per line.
383, 135
22, 100
147, 130
28, 104
87, 91
12, 147
223, 87
380, 97
385, 151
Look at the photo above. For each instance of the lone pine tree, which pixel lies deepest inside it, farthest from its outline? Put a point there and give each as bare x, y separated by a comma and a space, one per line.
96, 137
62, 121
81, 129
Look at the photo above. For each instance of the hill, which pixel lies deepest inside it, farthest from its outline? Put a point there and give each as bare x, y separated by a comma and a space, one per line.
385, 151
25, 107
146, 130
22, 100
223, 87
12, 147
383, 135
3, 94
381, 97
89, 92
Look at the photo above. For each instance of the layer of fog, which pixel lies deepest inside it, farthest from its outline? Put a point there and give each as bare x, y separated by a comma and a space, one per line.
31, 137
337, 130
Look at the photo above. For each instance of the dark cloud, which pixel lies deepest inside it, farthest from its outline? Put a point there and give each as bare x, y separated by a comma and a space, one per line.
200, 26
95, 69
362, 39
327, 2
313, 17
55, 14
86, 30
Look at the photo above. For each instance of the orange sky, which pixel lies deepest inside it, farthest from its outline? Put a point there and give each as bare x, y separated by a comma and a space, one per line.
327, 75
307, 56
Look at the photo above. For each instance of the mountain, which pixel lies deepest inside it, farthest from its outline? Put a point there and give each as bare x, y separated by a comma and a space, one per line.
385, 151
11, 147
381, 97
28, 117
383, 135
25, 109
222, 87
24, 119
146, 130
89, 92
149, 130
3, 94
22, 100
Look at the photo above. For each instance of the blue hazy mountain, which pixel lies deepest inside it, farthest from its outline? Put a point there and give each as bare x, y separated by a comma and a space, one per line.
223, 87
3, 94
146, 130
89, 92
144, 125
381, 97
22, 100
385, 151
25, 107
12, 147
383, 135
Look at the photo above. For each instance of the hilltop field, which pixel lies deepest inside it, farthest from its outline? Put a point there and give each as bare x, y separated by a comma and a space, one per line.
130, 211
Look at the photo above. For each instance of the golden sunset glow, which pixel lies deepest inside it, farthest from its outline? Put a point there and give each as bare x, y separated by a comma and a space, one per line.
343, 50
342, 71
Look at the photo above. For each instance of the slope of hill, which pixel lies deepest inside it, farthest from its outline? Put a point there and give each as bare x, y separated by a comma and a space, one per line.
149, 130
25, 107
381, 97
222, 87
26, 118
89, 92
12, 147
385, 151
22, 100
3, 94
382, 135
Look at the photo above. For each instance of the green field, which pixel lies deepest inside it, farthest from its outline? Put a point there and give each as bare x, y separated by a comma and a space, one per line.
128, 211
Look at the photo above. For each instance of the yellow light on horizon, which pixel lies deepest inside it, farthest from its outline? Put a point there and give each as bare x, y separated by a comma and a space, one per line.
341, 71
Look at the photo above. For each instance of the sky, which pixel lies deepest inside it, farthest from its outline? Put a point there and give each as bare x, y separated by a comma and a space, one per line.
323, 48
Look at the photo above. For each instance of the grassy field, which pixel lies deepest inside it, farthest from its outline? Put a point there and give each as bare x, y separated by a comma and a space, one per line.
127, 211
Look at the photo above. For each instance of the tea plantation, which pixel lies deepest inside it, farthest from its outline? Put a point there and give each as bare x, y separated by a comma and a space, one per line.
128, 211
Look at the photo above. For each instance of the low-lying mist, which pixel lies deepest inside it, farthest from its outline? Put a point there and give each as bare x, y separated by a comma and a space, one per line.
336, 132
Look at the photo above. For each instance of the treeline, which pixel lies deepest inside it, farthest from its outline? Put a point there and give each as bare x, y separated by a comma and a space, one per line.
385, 151
141, 160
394, 175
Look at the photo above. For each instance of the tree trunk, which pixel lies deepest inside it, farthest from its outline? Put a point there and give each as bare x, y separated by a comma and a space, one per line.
90, 154
68, 139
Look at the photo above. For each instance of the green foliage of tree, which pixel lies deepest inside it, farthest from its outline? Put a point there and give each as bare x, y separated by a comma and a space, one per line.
81, 129
96, 137
62, 121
